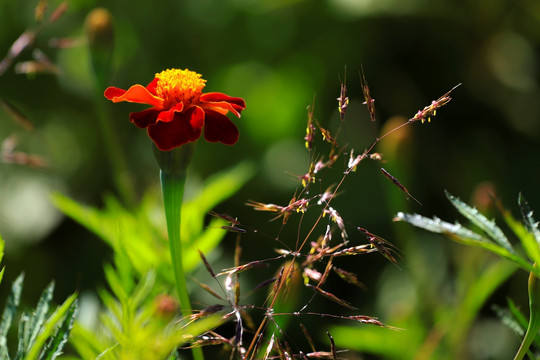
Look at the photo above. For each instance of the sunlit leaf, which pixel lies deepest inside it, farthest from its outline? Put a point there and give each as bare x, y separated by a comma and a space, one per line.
486, 225
531, 239
465, 236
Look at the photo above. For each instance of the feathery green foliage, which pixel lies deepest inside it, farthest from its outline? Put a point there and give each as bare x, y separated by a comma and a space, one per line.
41, 335
133, 326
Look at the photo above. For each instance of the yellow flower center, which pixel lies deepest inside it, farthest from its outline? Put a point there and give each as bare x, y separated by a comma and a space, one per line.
176, 86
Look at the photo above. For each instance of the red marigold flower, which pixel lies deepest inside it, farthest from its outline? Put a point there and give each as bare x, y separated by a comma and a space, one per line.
180, 109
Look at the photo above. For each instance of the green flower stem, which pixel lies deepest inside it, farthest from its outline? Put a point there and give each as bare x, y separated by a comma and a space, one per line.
173, 166
534, 316
173, 192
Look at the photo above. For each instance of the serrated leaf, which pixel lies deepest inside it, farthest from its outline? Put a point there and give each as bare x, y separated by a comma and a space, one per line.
39, 317
437, 225
10, 309
507, 318
48, 329
521, 319
23, 336
465, 236
56, 343
530, 240
486, 225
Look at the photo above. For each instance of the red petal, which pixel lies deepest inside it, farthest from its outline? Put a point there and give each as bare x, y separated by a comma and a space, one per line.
136, 93
145, 118
152, 86
185, 127
168, 115
218, 127
219, 101
112, 92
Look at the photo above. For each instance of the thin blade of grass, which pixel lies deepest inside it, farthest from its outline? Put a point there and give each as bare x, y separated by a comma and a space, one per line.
208, 289
534, 317
207, 264
269, 348
486, 283
308, 337
332, 297
349, 277
332, 346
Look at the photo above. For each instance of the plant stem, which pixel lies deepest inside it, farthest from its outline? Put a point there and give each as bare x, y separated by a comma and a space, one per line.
534, 316
172, 186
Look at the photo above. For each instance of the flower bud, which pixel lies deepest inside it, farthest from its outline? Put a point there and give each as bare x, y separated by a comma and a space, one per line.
100, 36
100, 30
166, 306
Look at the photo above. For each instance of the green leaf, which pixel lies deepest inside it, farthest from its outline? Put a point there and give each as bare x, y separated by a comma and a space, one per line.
437, 225
217, 188
530, 240
11, 309
39, 317
206, 242
23, 336
106, 352
527, 213
486, 225
143, 289
4, 355
49, 327
86, 342
534, 316
2, 244
58, 340
114, 283
465, 236
477, 293
518, 315
507, 318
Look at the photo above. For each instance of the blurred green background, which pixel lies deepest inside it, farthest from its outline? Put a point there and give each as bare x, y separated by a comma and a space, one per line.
280, 55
